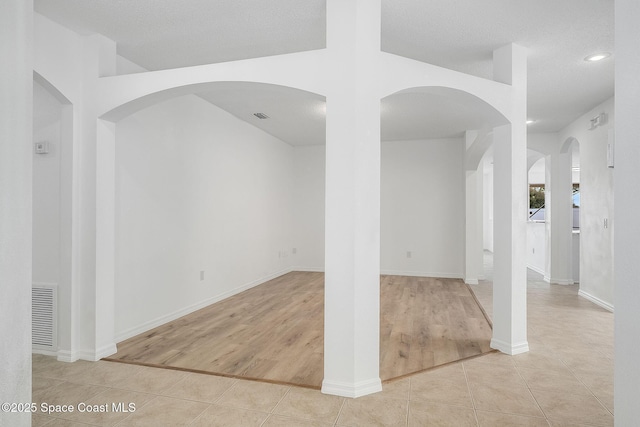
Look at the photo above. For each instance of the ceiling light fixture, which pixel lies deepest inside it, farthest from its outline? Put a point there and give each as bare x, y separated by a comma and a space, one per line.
530, 121
597, 56
261, 116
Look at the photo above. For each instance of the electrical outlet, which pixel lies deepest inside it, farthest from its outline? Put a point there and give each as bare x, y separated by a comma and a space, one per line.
201, 275
409, 254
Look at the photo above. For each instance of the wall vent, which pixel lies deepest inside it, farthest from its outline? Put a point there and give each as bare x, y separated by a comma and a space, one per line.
44, 316
261, 116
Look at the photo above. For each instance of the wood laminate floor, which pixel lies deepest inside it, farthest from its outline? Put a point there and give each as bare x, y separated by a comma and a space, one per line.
274, 332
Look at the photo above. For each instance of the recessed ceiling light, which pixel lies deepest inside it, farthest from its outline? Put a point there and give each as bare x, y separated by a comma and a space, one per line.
261, 116
597, 57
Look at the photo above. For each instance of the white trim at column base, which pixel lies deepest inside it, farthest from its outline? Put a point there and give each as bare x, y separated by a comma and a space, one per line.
67, 356
509, 348
471, 281
538, 270
99, 353
353, 390
562, 282
596, 301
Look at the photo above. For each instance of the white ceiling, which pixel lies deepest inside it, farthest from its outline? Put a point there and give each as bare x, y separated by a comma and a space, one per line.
457, 34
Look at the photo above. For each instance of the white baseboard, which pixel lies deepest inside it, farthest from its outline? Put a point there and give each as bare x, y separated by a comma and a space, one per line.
597, 301
421, 274
136, 330
44, 352
72, 356
353, 390
507, 348
97, 354
537, 270
67, 356
309, 269
564, 282
397, 273
471, 281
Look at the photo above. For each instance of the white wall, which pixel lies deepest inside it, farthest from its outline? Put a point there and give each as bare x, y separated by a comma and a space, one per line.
487, 208
47, 116
596, 197
196, 190
536, 246
423, 208
309, 173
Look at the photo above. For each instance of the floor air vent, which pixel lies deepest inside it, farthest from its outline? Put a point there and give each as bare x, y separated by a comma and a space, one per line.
44, 303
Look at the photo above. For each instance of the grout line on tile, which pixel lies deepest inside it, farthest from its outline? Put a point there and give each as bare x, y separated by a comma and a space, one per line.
200, 415
409, 401
286, 393
281, 399
473, 402
266, 419
344, 402
225, 392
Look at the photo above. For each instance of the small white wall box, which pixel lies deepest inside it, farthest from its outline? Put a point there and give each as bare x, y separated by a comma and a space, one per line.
610, 148
41, 147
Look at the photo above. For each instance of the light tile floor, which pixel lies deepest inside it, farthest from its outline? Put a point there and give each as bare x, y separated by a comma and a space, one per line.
565, 380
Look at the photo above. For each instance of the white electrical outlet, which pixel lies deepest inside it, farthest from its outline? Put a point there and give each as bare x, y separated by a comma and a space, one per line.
201, 275
409, 254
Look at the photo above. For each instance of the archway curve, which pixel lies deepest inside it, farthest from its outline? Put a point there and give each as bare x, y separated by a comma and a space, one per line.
567, 144
404, 74
533, 156
306, 101
441, 111
51, 88
449, 110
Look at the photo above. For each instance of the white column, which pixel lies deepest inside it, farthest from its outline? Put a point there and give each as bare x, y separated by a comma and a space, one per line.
105, 240
558, 219
352, 210
95, 212
473, 220
16, 151
510, 210
627, 206
473, 241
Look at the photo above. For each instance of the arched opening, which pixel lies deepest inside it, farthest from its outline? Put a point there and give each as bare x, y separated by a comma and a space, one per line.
433, 143
210, 201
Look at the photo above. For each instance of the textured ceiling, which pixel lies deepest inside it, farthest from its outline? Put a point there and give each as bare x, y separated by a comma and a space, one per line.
163, 34
456, 34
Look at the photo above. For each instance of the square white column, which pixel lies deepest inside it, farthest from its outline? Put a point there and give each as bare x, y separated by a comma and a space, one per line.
627, 206
511, 204
352, 209
16, 158
559, 219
